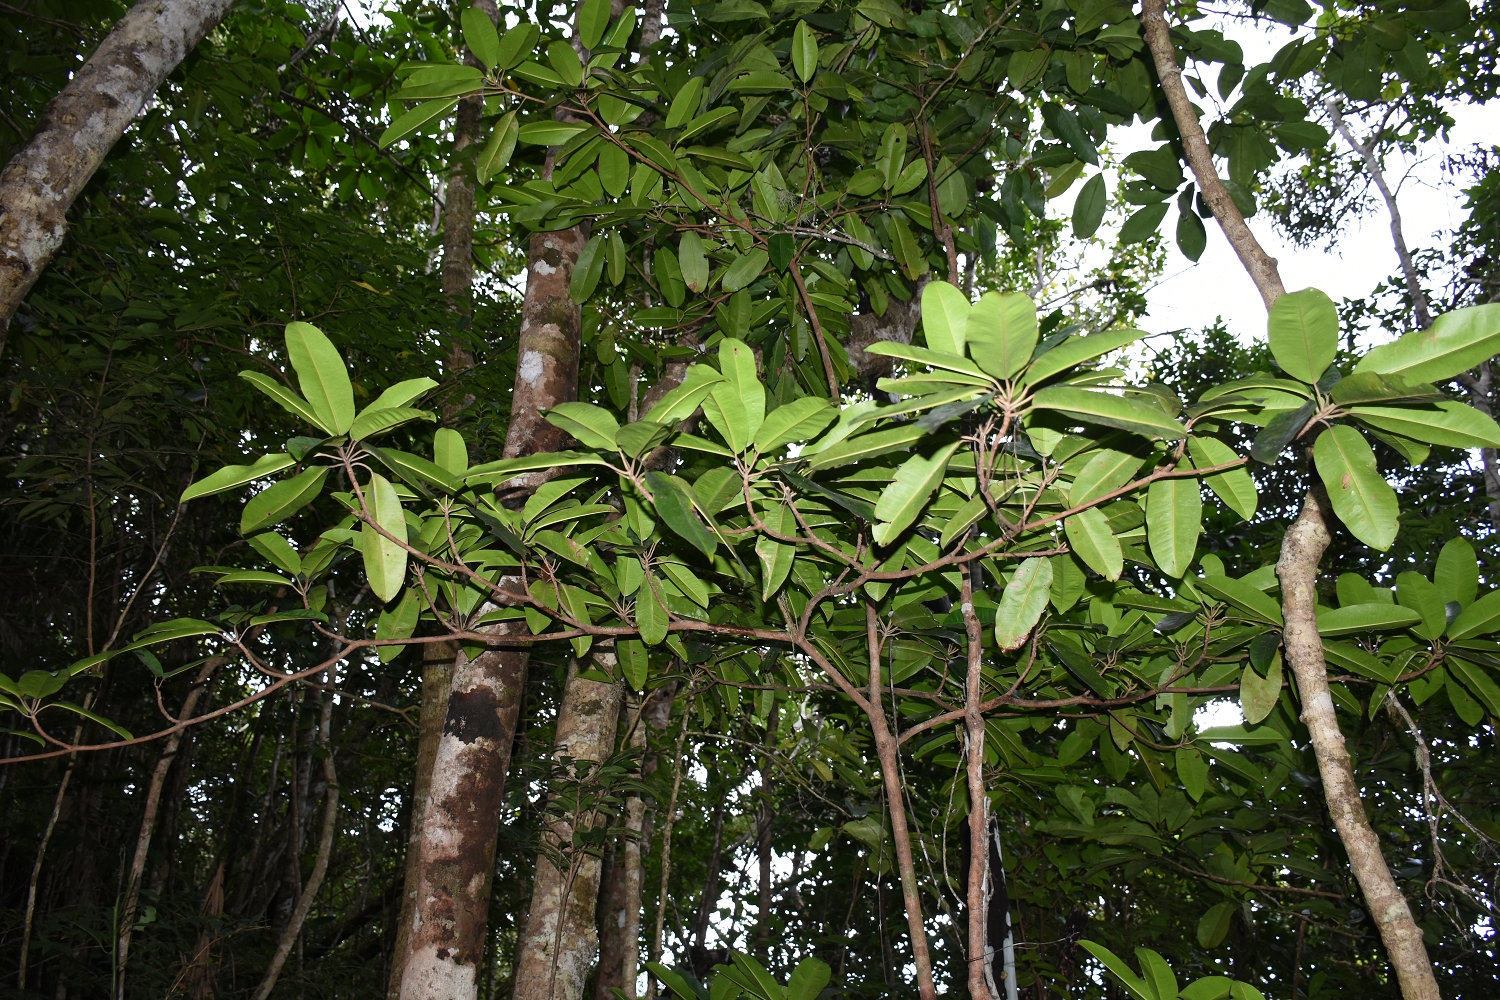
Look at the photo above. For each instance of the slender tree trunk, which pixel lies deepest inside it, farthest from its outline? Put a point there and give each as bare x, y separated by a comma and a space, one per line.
148, 825
887, 749
1297, 568
763, 842
78, 128
620, 893
36, 868
437, 678
558, 944
979, 814
292, 933
666, 852
698, 950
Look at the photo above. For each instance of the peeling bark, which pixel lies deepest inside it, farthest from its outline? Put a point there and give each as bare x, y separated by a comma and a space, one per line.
557, 947
1297, 568
78, 128
437, 678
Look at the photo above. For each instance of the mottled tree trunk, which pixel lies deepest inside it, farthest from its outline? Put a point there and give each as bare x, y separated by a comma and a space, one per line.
78, 128
1297, 567
557, 946
977, 880
437, 678
623, 878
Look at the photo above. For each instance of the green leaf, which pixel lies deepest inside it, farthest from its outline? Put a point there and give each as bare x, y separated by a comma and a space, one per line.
1480, 618
809, 977
1075, 351
1456, 342
592, 426
635, 664
1213, 928
1134, 985
685, 105
1235, 486
745, 269
401, 394
1143, 224
1002, 332
548, 132
1451, 424
1022, 603
1107, 471
1258, 695
1192, 238
1174, 519
1477, 681
586, 271
652, 621
1368, 387
416, 470
372, 422
280, 501
113, 727
1158, 973
1361, 497
1356, 619
1243, 596
800, 420
385, 560
414, 119
680, 402
1415, 591
516, 44
692, 261
1092, 541
736, 406
290, 401
593, 18
1193, 770
1457, 574
902, 501
865, 446
804, 51
322, 376
481, 37
277, 549
497, 152
674, 502
921, 355
640, 437
1109, 410
398, 622
254, 576
231, 476
1303, 328
775, 557
564, 60
1262, 735
1088, 210
945, 317
449, 451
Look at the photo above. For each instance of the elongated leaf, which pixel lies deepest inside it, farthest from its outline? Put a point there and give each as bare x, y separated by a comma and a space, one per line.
1075, 351
1357, 619
321, 375
1457, 573
674, 503
635, 664
1258, 695
1108, 470
1022, 604
800, 420
399, 622
745, 269
449, 451
372, 422
481, 37
1134, 985
1092, 541
1360, 496
865, 446
498, 150
1352, 658
1282, 429
640, 437
945, 317
1303, 328
922, 355
290, 401
385, 560
1235, 487
775, 557
1480, 618
1415, 591
684, 106
259, 576
1088, 210
1477, 681
903, 500
741, 396
277, 549
680, 402
1449, 423
804, 52
401, 394
280, 501
416, 470
1213, 928
651, 619
1243, 596
692, 261
549, 133
1157, 973
1002, 332
231, 476
1174, 519
1456, 342
1192, 769
586, 271
414, 119
810, 975
592, 426
1109, 410
593, 18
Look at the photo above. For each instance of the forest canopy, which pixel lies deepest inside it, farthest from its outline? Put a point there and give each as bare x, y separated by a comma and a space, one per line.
692, 500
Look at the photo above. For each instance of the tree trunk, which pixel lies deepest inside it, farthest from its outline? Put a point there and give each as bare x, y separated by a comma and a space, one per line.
78, 128
763, 841
148, 825
292, 933
620, 893
437, 678
887, 749
1297, 568
557, 946
979, 813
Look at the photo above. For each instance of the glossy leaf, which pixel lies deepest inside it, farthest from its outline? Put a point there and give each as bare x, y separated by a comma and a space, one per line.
449, 451
1451, 424
775, 557
481, 37
675, 505
412, 120
1022, 603
372, 421
1002, 332
1088, 209
592, 426
800, 420
232, 476
1075, 351
1104, 473
1174, 519
692, 261
1457, 573
290, 401
385, 560
650, 613
737, 405
903, 500
1109, 410
593, 18
322, 376
1356, 619
1303, 328
1258, 695
1415, 591
1092, 541
945, 317
1360, 496
277, 549
1234, 486
1480, 618
804, 51
1456, 342
280, 501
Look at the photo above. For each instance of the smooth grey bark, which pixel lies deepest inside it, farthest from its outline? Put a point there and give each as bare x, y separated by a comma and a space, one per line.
79, 127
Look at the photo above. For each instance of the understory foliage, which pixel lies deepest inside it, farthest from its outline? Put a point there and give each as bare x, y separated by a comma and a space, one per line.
237, 450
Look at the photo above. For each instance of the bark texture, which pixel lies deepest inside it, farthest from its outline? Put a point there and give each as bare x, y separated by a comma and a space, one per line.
456, 854
978, 875
1260, 265
148, 824
1297, 568
897, 325
78, 128
437, 678
557, 948
620, 895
